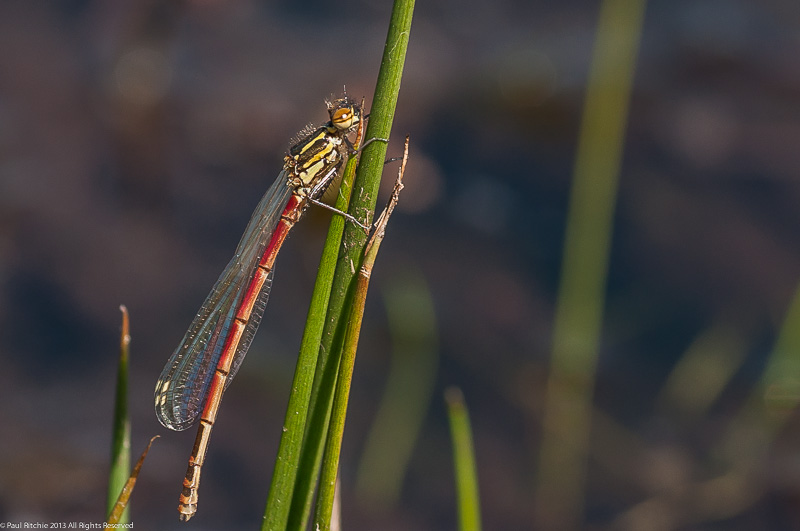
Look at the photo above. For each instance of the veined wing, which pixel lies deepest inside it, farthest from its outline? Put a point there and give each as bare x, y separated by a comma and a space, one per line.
182, 387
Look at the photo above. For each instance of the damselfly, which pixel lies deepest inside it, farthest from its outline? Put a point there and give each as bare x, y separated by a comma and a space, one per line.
205, 362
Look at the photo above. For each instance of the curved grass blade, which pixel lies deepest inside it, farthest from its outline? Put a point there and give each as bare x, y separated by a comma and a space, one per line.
115, 514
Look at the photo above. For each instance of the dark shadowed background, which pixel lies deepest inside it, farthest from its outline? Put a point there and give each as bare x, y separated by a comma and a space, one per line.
136, 138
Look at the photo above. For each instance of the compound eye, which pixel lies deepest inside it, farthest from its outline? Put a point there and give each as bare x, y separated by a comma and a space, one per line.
344, 118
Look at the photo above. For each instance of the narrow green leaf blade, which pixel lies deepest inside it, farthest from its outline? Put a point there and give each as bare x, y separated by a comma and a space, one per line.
469, 514
121, 431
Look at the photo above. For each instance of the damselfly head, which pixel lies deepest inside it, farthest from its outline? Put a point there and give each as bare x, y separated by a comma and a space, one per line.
345, 113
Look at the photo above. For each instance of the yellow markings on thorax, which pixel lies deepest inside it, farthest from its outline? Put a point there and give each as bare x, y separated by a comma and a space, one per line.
311, 142
309, 163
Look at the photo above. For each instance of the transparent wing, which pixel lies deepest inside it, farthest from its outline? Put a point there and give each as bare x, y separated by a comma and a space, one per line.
182, 387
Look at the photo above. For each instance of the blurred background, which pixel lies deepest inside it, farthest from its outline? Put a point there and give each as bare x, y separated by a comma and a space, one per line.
137, 137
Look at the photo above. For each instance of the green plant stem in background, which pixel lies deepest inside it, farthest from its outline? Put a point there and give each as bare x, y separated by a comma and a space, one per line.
469, 511
409, 389
278, 515
771, 402
780, 386
121, 431
581, 296
702, 373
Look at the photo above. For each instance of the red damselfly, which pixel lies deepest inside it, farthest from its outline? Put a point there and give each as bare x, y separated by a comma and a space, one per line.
201, 368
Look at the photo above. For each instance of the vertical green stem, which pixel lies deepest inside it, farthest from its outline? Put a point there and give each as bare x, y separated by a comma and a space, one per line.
581, 298
469, 511
333, 444
361, 206
287, 463
121, 439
